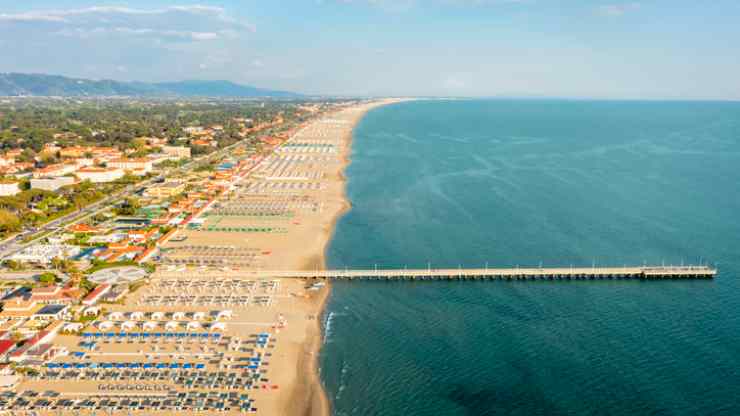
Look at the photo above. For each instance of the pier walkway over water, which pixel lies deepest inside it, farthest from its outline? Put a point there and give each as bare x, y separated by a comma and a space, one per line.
566, 273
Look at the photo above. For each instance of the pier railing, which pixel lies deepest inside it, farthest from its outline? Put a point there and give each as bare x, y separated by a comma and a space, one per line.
550, 273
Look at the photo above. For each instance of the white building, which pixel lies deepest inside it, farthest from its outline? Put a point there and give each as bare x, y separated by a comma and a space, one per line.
178, 152
44, 253
6, 161
140, 166
52, 171
52, 184
9, 188
99, 175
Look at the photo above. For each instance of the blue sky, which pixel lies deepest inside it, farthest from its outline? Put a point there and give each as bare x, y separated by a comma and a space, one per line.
673, 49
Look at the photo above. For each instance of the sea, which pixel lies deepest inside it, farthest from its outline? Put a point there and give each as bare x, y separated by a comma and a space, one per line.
509, 183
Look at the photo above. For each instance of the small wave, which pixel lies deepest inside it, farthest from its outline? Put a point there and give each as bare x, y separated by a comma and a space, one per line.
342, 380
327, 326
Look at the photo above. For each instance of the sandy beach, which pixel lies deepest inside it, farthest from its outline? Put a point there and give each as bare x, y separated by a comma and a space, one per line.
302, 185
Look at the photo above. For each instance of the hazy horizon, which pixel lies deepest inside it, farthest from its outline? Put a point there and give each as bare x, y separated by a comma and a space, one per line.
454, 48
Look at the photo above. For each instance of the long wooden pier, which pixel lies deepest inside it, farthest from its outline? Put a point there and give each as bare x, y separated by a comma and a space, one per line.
567, 273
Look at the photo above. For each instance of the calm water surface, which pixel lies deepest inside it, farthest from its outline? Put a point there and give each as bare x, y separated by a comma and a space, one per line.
522, 183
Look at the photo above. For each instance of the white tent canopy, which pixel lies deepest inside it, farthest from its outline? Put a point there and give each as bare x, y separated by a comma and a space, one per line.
106, 325
128, 325
116, 316
137, 316
150, 325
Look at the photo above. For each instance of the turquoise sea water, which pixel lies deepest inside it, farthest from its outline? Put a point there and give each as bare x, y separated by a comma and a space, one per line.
523, 183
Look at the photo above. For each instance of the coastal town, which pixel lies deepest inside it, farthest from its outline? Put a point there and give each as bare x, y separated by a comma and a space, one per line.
124, 282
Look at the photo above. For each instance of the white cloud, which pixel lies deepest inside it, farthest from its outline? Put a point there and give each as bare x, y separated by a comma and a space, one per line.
167, 16
143, 32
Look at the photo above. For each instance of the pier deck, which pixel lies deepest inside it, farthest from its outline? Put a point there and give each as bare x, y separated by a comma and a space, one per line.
645, 272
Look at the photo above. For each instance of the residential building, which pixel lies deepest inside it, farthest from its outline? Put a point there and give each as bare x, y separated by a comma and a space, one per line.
96, 294
19, 308
6, 345
56, 295
115, 294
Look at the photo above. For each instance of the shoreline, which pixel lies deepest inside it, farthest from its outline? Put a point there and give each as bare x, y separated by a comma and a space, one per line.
317, 400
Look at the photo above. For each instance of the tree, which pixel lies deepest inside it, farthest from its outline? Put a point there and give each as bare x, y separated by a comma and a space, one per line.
128, 207
9, 223
13, 265
48, 278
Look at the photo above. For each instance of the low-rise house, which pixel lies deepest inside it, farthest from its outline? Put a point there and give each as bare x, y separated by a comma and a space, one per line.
141, 236
115, 294
107, 239
6, 161
96, 294
19, 308
52, 312
82, 228
6, 346
56, 295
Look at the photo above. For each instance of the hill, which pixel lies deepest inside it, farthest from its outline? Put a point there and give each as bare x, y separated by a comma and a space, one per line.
40, 85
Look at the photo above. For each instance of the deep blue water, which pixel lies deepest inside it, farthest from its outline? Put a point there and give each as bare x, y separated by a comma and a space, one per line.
523, 183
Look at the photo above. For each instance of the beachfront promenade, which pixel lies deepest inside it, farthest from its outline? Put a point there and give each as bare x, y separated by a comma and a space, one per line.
565, 273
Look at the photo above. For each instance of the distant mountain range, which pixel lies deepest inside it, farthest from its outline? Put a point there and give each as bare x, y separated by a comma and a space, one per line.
41, 85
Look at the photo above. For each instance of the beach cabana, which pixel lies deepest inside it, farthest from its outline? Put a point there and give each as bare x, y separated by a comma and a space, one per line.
158, 316
179, 316
224, 314
218, 326
128, 325
72, 327
193, 325
150, 325
105, 325
199, 316
137, 316
171, 325
91, 311
116, 316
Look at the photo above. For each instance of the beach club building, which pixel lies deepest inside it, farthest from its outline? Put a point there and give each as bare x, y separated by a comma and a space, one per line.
9, 188
177, 152
53, 171
52, 184
100, 175
96, 294
44, 253
140, 166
